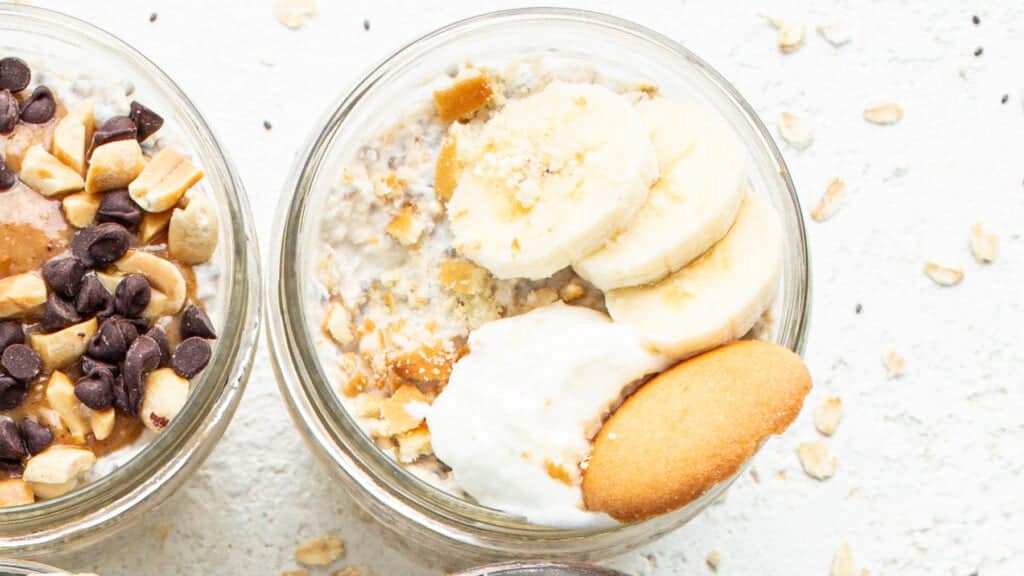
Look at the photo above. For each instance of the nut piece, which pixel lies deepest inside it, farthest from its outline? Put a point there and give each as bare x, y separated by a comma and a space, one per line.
943, 275
795, 131
830, 201
984, 244
414, 444
835, 31
338, 323
15, 492
45, 174
842, 562
467, 95
713, 560
446, 172
405, 410
293, 13
60, 394
816, 460
63, 347
102, 422
164, 181
165, 396
72, 136
790, 36
114, 165
21, 294
24, 137
162, 274
885, 113
153, 223
320, 551
54, 471
894, 364
828, 414
192, 236
80, 208
405, 227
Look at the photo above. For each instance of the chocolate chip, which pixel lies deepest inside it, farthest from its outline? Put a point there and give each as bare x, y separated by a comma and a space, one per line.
64, 276
11, 468
59, 314
12, 393
37, 437
117, 206
12, 447
92, 367
158, 334
21, 362
100, 245
7, 178
143, 357
8, 112
40, 107
121, 397
132, 295
96, 392
92, 297
191, 356
14, 74
195, 322
146, 121
109, 343
10, 333
113, 130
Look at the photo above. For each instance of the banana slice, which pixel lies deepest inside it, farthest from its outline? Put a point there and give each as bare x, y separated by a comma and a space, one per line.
717, 297
689, 208
549, 179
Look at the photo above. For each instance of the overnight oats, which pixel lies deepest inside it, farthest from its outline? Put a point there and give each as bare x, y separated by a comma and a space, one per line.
105, 278
543, 289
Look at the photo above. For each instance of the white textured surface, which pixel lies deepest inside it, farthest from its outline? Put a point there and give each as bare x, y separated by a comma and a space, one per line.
930, 465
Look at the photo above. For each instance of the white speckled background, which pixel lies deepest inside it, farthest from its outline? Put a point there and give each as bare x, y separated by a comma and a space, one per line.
930, 469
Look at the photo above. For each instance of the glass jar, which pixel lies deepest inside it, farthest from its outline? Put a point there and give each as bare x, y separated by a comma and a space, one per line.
539, 569
437, 524
51, 42
25, 568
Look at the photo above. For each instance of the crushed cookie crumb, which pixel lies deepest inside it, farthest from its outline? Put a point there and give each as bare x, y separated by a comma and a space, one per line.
816, 460
320, 551
828, 414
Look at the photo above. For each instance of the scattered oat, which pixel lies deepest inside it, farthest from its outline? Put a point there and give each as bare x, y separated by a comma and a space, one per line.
984, 244
320, 551
714, 559
943, 275
842, 562
790, 34
795, 131
883, 113
894, 364
352, 571
293, 13
835, 31
830, 201
816, 460
828, 414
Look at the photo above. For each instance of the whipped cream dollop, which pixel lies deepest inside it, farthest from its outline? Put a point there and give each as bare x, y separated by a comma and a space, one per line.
516, 418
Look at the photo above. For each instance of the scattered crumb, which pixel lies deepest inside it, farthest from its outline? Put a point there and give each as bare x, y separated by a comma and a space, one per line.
352, 571
943, 275
894, 364
975, 19
858, 308
884, 113
795, 131
816, 460
1004, 99
571, 291
714, 559
152, 17
320, 551
162, 531
790, 34
781, 475
842, 562
366, 25
267, 125
979, 51
828, 414
755, 476
293, 13
835, 32
830, 201
984, 244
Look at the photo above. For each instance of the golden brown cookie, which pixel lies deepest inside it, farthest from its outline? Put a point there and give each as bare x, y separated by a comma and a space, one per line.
691, 427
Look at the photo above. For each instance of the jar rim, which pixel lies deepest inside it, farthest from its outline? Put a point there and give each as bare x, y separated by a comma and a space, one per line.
112, 501
310, 399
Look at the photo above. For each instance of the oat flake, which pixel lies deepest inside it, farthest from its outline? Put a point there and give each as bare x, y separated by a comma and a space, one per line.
885, 113
894, 364
830, 201
293, 13
816, 460
842, 561
984, 244
320, 551
943, 275
828, 414
795, 131
714, 559
790, 36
